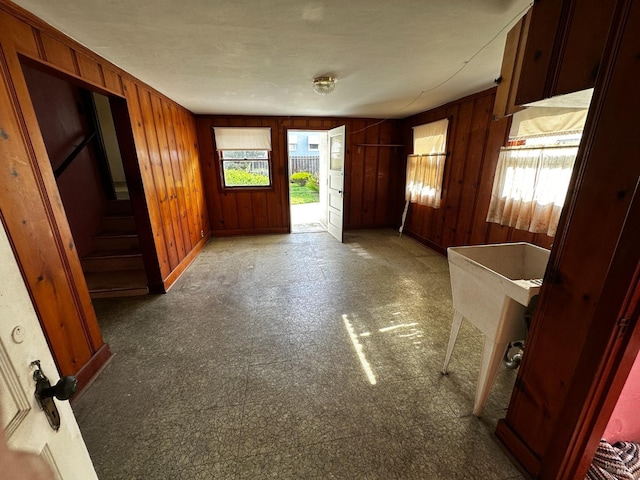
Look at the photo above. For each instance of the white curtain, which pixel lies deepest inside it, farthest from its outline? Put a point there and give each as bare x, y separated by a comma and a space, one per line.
425, 168
239, 138
530, 187
424, 179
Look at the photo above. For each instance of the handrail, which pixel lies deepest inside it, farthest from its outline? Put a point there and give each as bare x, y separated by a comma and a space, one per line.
63, 166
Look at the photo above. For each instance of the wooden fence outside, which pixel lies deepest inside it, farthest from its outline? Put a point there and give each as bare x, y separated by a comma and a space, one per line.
304, 164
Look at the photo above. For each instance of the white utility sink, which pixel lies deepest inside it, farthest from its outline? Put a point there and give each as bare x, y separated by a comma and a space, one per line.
491, 286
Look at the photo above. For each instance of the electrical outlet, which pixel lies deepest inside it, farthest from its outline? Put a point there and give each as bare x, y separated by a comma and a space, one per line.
201, 233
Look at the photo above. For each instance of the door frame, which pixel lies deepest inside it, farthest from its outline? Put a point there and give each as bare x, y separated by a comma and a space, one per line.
322, 163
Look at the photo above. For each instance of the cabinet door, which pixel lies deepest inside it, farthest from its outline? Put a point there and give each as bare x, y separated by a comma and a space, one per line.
564, 47
583, 46
505, 103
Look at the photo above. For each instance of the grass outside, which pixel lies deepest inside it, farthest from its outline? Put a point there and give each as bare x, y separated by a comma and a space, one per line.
300, 195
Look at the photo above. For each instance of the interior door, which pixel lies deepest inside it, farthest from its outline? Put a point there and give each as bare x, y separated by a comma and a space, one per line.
21, 342
335, 190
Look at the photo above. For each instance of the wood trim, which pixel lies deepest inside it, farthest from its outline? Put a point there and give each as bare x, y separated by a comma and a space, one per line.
184, 264
90, 370
612, 367
255, 231
427, 242
74, 299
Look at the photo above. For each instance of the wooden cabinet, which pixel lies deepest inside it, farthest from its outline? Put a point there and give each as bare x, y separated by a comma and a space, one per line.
555, 49
564, 47
505, 103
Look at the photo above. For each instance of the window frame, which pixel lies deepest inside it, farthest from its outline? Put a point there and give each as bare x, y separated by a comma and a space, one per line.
224, 186
242, 139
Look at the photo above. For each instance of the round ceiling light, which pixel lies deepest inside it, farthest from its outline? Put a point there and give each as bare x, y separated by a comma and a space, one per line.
324, 85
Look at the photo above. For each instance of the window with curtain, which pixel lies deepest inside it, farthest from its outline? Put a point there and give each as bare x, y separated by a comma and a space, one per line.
425, 167
245, 156
533, 173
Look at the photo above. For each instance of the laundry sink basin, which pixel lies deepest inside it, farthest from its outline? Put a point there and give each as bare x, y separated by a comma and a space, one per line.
491, 287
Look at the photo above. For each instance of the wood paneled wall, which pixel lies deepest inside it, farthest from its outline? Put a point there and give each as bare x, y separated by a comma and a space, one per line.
473, 146
163, 139
371, 175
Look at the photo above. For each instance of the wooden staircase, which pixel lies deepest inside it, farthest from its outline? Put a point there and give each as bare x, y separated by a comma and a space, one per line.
115, 268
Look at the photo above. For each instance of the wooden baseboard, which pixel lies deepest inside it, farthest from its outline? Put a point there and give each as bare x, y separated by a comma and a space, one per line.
433, 246
255, 231
518, 451
184, 264
90, 370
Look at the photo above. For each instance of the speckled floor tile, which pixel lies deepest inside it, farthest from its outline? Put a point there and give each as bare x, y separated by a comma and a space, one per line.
294, 357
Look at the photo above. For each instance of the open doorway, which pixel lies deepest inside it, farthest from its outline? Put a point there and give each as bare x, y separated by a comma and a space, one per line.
86, 136
307, 161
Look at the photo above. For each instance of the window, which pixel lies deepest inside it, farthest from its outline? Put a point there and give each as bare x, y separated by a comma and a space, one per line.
314, 143
293, 147
245, 156
293, 142
425, 167
533, 172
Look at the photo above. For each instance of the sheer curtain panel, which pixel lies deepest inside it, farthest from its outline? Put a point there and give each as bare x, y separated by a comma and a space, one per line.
425, 168
530, 187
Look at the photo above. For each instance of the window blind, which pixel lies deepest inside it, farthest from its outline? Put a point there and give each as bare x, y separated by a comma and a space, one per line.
240, 138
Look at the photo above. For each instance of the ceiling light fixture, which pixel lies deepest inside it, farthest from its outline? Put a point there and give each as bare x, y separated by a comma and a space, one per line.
324, 85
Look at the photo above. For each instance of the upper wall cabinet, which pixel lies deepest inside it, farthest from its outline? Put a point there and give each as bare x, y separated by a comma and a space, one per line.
505, 103
558, 48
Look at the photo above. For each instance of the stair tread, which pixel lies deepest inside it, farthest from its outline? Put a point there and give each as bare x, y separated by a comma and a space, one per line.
116, 280
118, 253
119, 206
111, 234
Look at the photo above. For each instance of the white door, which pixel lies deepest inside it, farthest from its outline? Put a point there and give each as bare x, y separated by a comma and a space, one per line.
21, 342
335, 182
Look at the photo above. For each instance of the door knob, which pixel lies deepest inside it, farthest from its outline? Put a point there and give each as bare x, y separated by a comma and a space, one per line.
63, 390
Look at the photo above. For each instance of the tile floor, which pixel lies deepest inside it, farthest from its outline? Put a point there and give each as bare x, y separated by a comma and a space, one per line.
248, 369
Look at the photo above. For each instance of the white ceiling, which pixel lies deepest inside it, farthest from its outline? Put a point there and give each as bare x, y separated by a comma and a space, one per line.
259, 57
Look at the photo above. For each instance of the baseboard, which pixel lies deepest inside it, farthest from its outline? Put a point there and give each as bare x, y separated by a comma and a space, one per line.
236, 232
425, 241
91, 370
182, 267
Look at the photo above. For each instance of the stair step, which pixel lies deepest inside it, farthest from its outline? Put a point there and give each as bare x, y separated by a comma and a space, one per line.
116, 241
118, 224
117, 283
119, 207
100, 262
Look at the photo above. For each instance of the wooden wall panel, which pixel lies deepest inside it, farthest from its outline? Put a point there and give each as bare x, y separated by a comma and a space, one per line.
473, 169
112, 81
58, 54
496, 138
89, 69
473, 147
371, 173
22, 34
164, 154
